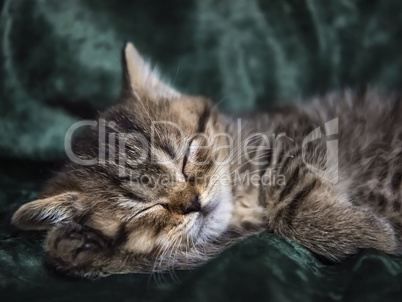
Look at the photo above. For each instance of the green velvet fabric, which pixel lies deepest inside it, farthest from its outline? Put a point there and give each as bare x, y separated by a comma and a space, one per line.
60, 63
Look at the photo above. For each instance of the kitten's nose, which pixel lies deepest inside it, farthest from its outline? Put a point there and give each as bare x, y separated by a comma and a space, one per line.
193, 205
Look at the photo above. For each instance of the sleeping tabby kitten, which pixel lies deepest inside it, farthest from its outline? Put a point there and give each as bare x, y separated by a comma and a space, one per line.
162, 180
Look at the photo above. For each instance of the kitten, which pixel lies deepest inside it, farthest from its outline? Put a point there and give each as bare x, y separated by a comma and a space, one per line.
162, 180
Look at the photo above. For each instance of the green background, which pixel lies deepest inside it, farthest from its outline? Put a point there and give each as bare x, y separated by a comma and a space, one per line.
60, 62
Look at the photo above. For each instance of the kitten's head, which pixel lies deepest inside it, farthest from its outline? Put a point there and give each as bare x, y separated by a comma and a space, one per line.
149, 178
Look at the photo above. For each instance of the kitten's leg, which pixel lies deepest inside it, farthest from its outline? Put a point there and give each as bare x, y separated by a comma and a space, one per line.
307, 210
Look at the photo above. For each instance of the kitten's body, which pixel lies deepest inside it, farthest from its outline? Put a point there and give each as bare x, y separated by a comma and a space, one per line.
370, 169
101, 222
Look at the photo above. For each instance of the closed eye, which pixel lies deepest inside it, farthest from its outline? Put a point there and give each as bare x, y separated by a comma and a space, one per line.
164, 205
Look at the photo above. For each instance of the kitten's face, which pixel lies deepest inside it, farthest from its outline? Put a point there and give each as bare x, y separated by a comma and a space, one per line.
153, 188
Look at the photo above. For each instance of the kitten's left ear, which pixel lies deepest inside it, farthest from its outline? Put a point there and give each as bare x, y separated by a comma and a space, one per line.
140, 79
41, 214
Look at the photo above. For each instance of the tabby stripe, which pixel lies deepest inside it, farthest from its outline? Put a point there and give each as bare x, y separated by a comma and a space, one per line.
396, 181
296, 201
396, 206
290, 184
169, 150
121, 236
135, 197
382, 201
280, 156
383, 173
286, 162
266, 157
202, 122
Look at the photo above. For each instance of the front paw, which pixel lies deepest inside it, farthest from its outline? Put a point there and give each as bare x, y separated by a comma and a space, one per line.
73, 247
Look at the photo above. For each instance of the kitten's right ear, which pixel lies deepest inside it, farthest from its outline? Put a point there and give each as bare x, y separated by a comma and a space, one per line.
139, 79
41, 214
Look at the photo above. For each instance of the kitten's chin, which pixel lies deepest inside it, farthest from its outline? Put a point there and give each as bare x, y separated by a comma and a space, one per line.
215, 217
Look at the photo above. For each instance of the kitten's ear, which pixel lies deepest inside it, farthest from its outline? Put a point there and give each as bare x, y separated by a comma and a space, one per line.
41, 214
139, 78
